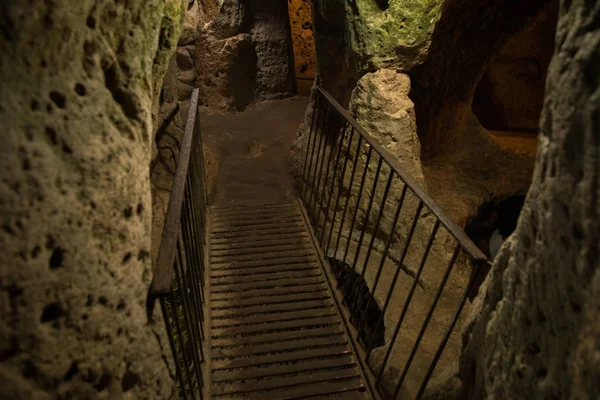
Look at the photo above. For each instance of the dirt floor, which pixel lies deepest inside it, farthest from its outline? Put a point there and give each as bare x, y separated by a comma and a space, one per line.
253, 150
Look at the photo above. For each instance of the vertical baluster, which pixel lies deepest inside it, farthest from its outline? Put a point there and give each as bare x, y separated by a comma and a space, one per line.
358, 198
426, 322
328, 137
181, 338
312, 152
340, 187
188, 314
190, 236
377, 223
323, 195
195, 196
171, 336
322, 138
197, 211
333, 180
197, 192
363, 324
368, 214
396, 273
356, 156
408, 300
186, 246
198, 230
442, 345
310, 135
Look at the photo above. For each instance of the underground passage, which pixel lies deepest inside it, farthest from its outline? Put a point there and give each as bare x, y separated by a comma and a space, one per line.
301, 199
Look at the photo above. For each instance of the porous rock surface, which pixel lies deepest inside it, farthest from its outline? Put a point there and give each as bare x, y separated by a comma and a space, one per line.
78, 103
462, 166
244, 54
534, 332
364, 37
381, 103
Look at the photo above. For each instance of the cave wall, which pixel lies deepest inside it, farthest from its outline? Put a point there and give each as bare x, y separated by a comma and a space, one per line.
510, 94
170, 129
535, 332
444, 85
444, 47
243, 53
416, 100
79, 104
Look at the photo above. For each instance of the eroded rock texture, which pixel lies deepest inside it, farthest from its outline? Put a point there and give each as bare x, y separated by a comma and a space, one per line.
535, 333
356, 37
81, 83
382, 105
464, 41
244, 53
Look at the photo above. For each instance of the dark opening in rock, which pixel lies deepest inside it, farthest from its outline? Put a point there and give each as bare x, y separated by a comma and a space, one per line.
52, 312
494, 223
58, 99
73, 370
103, 382
129, 380
80, 89
57, 258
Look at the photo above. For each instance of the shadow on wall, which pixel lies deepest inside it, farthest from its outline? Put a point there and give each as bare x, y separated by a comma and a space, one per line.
357, 297
242, 76
444, 86
494, 223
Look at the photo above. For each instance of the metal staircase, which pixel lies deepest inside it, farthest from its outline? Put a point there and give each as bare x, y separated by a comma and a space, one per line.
252, 306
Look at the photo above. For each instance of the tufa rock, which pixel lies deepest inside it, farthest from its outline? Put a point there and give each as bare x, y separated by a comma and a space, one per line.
185, 60
534, 333
77, 105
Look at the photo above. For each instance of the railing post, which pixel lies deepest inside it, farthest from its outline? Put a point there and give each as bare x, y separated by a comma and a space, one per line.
315, 160
178, 276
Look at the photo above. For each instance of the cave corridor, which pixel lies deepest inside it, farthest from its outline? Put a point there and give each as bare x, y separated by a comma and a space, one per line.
269, 199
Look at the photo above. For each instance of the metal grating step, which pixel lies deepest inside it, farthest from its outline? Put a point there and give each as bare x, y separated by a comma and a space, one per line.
275, 331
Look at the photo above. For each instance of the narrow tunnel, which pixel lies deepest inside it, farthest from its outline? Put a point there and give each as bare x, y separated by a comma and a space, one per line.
265, 199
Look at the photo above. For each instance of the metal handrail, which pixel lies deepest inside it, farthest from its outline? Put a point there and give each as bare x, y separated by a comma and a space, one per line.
455, 230
337, 139
178, 280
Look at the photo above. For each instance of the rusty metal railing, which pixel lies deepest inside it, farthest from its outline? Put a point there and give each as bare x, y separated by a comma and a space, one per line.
369, 214
178, 279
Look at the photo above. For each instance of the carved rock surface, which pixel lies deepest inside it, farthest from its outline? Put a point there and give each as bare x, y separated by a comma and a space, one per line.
80, 83
381, 104
535, 331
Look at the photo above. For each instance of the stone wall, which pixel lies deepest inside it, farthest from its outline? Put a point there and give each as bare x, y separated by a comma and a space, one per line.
244, 53
535, 331
356, 37
169, 135
510, 93
444, 48
444, 85
407, 71
81, 83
